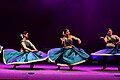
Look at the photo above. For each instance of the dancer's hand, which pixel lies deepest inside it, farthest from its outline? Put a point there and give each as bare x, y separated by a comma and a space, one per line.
118, 42
62, 39
79, 41
34, 50
101, 37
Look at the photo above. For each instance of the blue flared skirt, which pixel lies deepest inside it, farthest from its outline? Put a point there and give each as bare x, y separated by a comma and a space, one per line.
67, 57
118, 50
11, 56
109, 52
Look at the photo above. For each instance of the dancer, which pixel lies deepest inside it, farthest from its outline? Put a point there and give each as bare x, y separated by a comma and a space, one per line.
28, 53
112, 47
69, 55
1, 51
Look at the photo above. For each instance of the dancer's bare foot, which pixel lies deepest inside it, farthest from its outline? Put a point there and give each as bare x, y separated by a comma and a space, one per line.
58, 68
71, 68
103, 69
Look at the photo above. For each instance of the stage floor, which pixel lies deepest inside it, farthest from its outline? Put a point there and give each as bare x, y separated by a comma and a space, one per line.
49, 72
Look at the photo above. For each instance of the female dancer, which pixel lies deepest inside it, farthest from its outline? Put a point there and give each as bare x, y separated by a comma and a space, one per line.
112, 46
1, 48
1, 51
28, 53
69, 55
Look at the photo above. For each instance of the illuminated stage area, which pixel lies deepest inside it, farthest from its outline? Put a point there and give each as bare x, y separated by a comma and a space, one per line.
49, 72
66, 32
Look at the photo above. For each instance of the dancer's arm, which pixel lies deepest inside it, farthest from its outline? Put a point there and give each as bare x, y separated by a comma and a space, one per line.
35, 49
118, 38
75, 38
104, 38
25, 47
62, 40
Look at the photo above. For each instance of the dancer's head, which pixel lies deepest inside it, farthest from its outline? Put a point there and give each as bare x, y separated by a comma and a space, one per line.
109, 32
24, 34
66, 32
